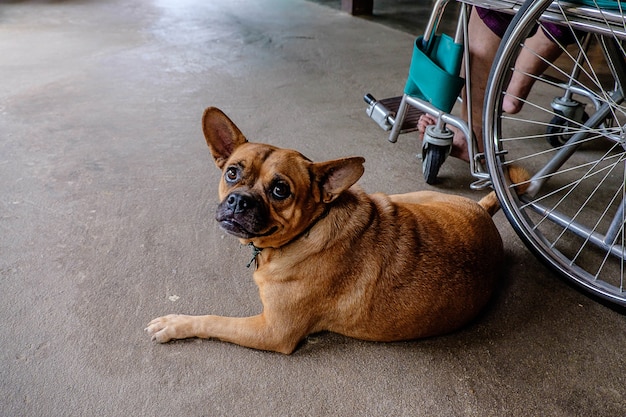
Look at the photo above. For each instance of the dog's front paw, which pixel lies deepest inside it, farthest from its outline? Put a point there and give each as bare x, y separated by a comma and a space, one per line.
166, 328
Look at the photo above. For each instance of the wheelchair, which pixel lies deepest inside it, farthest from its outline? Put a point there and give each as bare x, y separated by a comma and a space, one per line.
572, 213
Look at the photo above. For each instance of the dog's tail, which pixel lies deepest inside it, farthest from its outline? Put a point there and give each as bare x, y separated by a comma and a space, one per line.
519, 177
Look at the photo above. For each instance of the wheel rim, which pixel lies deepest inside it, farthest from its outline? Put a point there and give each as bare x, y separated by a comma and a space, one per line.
586, 190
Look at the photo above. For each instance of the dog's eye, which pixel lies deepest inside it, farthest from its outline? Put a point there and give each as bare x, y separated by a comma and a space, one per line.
281, 190
231, 174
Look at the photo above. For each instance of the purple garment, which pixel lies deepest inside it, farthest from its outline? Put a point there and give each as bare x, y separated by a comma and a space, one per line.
499, 21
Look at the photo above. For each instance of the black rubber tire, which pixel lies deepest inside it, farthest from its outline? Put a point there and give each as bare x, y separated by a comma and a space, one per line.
576, 192
557, 130
433, 157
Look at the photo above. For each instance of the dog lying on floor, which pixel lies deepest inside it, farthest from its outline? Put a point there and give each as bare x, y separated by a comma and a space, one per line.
331, 257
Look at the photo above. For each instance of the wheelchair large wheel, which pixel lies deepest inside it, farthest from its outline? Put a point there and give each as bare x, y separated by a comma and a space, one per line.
572, 214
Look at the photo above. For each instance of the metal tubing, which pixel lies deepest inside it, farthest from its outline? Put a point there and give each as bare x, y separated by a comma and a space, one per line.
571, 145
567, 223
616, 226
577, 67
398, 120
583, 18
617, 63
476, 169
433, 22
459, 34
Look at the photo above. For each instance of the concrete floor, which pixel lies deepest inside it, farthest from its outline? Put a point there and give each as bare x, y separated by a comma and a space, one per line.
106, 221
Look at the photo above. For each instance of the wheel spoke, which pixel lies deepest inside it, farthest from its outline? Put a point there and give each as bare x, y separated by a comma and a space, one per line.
573, 215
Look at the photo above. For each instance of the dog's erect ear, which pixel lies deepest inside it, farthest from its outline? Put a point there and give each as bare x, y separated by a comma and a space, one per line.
221, 135
334, 177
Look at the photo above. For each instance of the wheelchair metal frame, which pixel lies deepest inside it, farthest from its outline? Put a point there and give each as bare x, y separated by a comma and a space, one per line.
579, 17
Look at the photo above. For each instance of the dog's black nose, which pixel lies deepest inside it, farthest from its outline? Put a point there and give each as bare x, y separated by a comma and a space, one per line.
239, 202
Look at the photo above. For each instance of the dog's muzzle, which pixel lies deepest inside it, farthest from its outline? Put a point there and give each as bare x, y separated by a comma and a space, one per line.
244, 215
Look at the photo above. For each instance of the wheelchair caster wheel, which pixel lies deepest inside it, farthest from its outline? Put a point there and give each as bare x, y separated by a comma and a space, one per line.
433, 157
560, 129
435, 149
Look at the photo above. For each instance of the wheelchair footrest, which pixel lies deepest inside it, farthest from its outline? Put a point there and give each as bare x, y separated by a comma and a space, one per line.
412, 115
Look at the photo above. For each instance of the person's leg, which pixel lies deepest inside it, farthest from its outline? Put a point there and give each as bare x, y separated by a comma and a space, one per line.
534, 59
483, 44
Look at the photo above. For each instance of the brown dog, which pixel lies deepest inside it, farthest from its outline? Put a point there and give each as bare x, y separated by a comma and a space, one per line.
331, 257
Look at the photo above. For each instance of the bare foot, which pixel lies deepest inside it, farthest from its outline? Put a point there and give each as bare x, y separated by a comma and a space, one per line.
424, 121
459, 144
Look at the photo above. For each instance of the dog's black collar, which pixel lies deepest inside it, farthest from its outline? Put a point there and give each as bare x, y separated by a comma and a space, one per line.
256, 250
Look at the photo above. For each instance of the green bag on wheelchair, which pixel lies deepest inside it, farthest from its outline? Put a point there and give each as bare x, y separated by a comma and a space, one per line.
433, 74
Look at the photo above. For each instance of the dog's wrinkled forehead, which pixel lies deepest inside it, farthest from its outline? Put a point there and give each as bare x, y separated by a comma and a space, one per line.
265, 162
